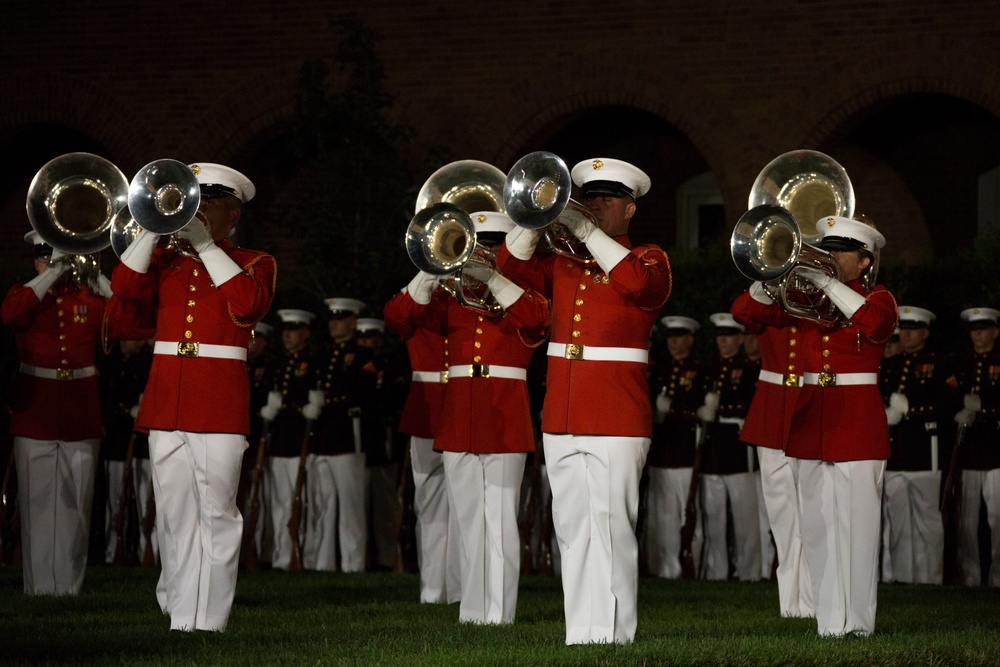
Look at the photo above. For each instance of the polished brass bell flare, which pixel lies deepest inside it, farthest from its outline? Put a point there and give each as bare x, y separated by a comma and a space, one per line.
536, 195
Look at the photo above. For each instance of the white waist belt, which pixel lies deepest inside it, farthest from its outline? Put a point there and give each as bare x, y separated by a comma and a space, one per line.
59, 373
192, 350
488, 371
840, 379
788, 380
592, 353
430, 376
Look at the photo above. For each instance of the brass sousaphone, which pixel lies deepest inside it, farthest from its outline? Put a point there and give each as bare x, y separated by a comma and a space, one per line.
71, 203
441, 237
772, 241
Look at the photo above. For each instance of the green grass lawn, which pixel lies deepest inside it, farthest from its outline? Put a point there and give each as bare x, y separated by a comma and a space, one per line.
309, 618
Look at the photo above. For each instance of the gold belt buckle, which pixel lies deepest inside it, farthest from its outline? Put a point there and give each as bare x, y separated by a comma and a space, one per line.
791, 380
827, 379
574, 351
480, 370
64, 373
444, 377
187, 349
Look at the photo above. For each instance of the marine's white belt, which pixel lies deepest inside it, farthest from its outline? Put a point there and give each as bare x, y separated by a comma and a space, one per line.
192, 350
430, 376
578, 352
788, 380
59, 373
487, 371
840, 379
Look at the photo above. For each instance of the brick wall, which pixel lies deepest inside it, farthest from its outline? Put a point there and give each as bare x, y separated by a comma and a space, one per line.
197, 80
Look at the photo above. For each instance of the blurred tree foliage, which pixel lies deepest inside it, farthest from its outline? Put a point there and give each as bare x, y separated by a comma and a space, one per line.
356, 184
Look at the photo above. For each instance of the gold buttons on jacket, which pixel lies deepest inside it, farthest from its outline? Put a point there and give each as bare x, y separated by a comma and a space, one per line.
189, 318
576, 334
477, 358
192, 288
577, 317
579, 302
188, 334
190, 303
195, 273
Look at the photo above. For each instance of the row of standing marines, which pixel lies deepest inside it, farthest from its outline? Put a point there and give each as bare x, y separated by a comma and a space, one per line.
813, 411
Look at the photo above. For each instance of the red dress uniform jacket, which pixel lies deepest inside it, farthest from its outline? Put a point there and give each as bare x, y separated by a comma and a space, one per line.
203, 394
770, 414
60, 332
586, 397
486, 415
844, 422
422, 408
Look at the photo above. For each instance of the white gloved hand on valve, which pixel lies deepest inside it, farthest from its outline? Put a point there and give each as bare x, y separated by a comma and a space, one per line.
197, 234
101, 286
312, 409
606, 251
759, 294
41, 283
138, 253
842, 296
479, 271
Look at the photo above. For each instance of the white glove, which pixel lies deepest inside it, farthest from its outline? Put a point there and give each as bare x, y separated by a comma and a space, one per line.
606, 251
893, 416
842, 296
707, 411
521, 242
972, 402
663, 403
900, 403
965, 417
480, 272
101, 286
312, 409
134, 412
270, 409
41, 283
504, 291
197, 234
758, 294
136, 255
219, 265
421, 287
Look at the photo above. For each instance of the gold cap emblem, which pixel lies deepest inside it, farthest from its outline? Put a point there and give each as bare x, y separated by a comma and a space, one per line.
482, 218
195, 169
597, 165
830, 222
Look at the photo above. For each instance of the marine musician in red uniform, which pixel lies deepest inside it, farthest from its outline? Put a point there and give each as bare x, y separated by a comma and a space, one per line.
196, 404
485, 433
838, 434
56, 417
597, 417
440, 573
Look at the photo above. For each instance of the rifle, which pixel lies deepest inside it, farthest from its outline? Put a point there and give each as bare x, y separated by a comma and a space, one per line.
148, 525
252, 558
691, 507
948, 504
125, 495
5, 503
404, 506
527, 522
300, 477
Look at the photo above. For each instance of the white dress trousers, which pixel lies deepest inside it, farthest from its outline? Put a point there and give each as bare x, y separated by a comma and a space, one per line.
56, 487
281, 472
912, 531
438, 542
336, 517
195, 476
740, 490
841, 512
795, 595
979, 486
666, 501
484, 490
595, 503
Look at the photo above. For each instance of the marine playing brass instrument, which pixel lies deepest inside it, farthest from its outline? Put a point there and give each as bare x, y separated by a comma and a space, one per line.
769, 243
441, 236
536, 195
